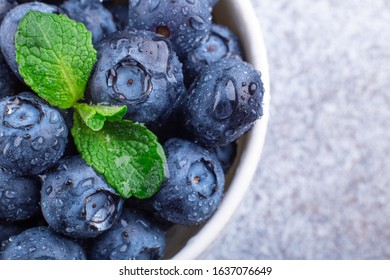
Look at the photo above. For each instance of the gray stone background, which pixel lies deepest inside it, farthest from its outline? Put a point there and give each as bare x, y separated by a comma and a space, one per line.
322, 188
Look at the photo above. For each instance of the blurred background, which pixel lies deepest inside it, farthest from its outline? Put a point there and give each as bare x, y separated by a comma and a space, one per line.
322, 187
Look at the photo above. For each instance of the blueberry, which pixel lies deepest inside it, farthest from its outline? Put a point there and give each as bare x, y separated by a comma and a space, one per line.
76, 201
185, 23
223, 103
9, 26
219, 44
134, 236
33, 135
93, 14
192, 192
19, 197
41, 243
226, 155
9, 229
139, 70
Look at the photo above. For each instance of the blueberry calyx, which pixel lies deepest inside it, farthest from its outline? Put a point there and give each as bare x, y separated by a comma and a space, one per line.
130, 81
22, 113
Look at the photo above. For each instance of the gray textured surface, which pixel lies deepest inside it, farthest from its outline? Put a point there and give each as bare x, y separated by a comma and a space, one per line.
322, 188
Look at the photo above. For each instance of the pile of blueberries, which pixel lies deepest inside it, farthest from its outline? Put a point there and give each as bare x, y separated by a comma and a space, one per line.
178, 73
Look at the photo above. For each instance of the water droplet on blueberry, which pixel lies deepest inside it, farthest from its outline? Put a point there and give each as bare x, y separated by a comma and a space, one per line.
197, 22
38, 143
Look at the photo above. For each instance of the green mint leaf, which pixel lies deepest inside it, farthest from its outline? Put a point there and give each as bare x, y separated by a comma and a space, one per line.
55, 56
127, 154
94, 116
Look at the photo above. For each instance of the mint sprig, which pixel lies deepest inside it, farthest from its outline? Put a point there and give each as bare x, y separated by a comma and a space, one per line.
55, 56
127, 154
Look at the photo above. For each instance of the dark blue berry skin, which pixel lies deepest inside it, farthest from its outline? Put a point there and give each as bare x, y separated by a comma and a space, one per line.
9, 27
134, 236
8, 81
19, 197
41, 243
120, 13
76, 201
9, 229
185, 23
223, 103
33, 135
221, 43
5, 6
194, 189
226, 155
93, 14
139, 70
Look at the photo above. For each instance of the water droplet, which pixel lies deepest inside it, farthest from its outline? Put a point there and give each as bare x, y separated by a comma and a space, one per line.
230, 91
86, 183
191, 2
11, 194
58, 202
32, 249
191, 197
123, 248
11, 206
185, 10
251, 101
205, 209
17, 141
153, 4
49, 189
56, 145
197, 23
5, 150
123, 223
59, 131
157, 206
252, 88
69, 229
18, 247
54, 117
143, 223
38, 143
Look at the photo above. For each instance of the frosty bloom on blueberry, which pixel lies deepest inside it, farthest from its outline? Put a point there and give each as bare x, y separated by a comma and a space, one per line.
185, 23
19, 197
192, 192
41, 243
76, 201
135, 236
33, 135
223, 103
140, 70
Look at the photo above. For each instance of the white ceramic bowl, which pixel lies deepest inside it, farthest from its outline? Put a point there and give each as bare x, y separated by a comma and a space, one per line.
191, 242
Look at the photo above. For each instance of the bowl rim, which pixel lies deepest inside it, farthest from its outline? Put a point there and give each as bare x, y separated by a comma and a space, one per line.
256, 54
